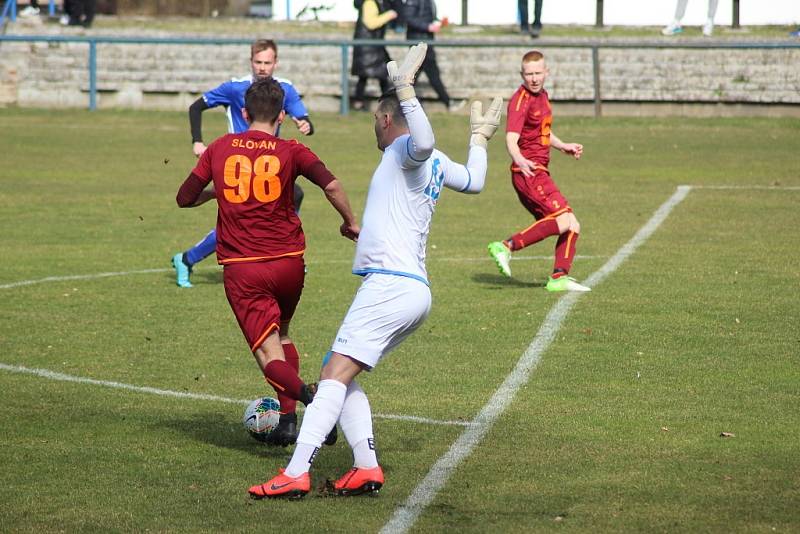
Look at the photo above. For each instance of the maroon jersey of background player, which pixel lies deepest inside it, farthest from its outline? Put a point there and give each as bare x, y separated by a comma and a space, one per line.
529, 137
530, 115
254, 174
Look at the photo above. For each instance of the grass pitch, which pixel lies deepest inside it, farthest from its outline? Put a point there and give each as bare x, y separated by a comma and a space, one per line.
618, 429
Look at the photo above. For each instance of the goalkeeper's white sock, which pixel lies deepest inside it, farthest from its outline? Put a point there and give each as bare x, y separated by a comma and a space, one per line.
356, 423
318, 420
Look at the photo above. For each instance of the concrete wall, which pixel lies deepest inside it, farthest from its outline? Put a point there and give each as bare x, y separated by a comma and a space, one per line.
171, 76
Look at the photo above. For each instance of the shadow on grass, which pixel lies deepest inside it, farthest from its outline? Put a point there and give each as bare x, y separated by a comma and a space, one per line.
207, 277
218, 430
501, 281
203, 277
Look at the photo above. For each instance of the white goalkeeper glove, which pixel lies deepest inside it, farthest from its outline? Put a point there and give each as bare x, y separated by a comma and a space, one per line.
402, 77
483, 126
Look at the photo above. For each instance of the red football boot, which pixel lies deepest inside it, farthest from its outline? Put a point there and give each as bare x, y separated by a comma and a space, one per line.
358, 481
282, 487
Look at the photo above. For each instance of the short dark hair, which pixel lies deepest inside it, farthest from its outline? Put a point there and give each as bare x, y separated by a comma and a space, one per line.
389, 104
263, 44
264, 100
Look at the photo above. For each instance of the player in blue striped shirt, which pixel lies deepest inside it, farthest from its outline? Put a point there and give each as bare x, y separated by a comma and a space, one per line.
263, 60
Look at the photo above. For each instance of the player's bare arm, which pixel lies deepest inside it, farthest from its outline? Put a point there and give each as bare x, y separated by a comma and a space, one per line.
418, 126
304, 126
198, 147
335, 194
525, 165
575, 149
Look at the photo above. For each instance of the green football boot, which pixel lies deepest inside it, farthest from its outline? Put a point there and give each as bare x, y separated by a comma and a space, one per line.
565, 283
501, 256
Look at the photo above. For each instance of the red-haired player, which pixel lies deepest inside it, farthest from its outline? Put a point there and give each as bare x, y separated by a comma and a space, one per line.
528, 141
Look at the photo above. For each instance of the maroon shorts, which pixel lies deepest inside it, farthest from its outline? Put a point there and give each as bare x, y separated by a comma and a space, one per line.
539, 194
263, 294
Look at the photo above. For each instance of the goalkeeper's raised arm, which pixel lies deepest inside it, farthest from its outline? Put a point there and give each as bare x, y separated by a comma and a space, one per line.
471, 177
402, 77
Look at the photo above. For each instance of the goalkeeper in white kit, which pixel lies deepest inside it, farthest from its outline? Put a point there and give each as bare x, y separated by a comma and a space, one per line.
394, 298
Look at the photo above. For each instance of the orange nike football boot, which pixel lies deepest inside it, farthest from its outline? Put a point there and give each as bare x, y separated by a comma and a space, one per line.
282, 487
358, 481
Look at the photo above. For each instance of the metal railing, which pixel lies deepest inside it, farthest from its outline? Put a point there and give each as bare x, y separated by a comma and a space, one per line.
346, 45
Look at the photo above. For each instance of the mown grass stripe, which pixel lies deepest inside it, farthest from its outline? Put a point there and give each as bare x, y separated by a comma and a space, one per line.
407, 514
169, 269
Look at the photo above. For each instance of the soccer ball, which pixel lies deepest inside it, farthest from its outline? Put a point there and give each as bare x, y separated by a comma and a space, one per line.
261, 416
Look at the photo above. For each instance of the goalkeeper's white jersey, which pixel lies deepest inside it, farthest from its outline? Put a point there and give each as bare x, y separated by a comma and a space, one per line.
401, 200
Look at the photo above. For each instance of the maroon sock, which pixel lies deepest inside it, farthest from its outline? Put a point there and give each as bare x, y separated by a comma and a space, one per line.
565, 252
539, 230
284, 379
288, 404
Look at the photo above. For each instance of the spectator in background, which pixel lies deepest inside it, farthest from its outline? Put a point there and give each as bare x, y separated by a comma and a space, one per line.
674, 27
370, 61
66, 8
78, 13
795, 33
419, 17
536, 28
31, 10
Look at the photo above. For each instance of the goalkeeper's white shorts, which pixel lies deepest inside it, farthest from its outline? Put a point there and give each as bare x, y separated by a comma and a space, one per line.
386, 309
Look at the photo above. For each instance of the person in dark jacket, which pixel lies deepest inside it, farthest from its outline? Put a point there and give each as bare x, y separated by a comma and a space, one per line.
370, 61
419, 17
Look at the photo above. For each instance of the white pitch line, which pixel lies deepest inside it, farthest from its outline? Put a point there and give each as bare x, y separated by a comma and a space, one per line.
406, 514
169, 269
52, 375
79, 277
749, 187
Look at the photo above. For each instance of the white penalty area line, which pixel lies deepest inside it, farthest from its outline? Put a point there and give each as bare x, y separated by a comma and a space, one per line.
79, 277
749, 187
310, 263
407, 514
53, 375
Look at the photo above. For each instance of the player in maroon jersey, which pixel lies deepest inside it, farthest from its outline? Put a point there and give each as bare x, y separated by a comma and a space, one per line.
260, 241
528, 141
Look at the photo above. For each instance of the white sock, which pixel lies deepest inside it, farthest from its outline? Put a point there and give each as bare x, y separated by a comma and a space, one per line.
356, 423
318, 420
364, 455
